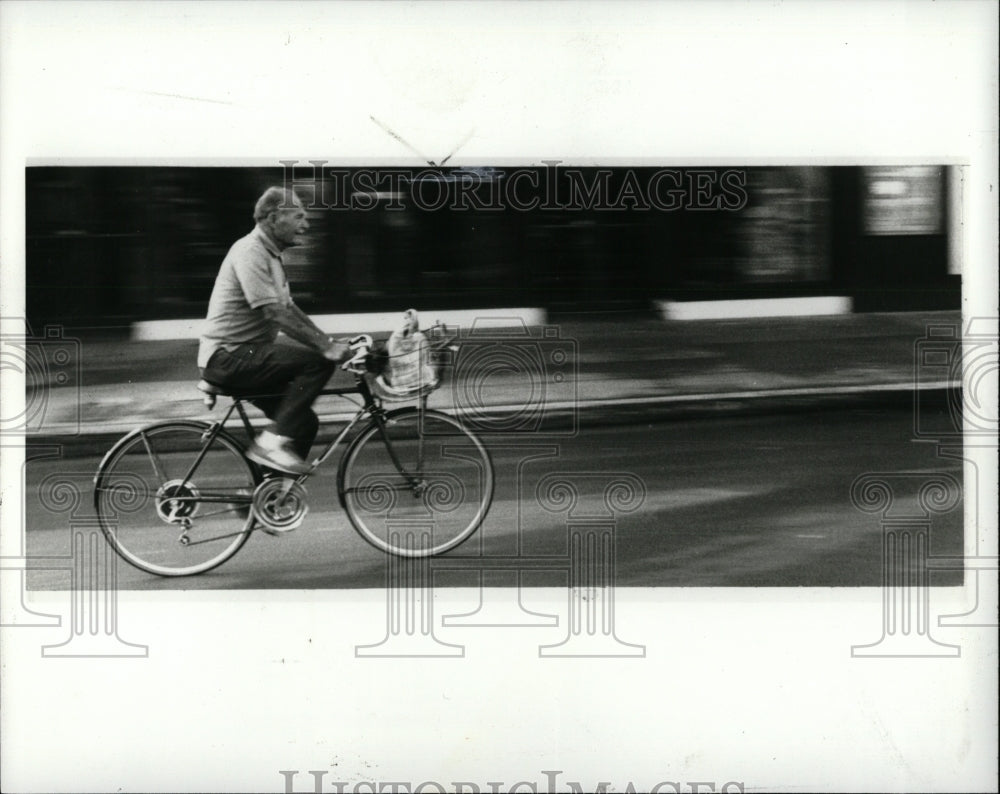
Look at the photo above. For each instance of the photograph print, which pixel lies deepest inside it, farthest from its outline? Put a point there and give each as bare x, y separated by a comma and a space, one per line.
684, 376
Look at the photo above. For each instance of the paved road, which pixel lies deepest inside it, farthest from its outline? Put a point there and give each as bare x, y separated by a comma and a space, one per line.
739, 501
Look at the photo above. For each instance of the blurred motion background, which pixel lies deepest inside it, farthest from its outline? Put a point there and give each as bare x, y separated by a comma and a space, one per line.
110, 246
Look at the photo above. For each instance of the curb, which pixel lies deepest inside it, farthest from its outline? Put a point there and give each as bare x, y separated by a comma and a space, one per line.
750, 308
371, 322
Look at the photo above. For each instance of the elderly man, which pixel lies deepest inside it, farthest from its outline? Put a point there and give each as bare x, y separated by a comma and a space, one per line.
250, 303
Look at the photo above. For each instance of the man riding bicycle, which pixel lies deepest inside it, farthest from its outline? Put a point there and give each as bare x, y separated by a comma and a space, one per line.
239, 351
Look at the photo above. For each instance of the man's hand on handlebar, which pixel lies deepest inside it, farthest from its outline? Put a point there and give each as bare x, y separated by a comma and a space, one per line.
337, 350
358, 349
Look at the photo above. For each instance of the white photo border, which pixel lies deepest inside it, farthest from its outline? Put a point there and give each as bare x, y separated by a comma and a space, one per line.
749, 686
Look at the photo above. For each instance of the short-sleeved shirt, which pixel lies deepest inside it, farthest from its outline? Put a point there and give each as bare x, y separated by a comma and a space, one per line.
251, 276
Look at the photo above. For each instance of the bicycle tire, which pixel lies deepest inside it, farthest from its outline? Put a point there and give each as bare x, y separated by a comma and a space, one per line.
142, 471
369, 483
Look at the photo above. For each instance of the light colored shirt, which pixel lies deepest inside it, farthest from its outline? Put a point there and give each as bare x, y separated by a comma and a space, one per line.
251, 276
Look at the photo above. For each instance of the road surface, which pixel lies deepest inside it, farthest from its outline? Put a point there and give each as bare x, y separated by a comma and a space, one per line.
729, 501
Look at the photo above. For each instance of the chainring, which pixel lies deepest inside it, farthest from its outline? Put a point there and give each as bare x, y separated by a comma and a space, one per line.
279, 505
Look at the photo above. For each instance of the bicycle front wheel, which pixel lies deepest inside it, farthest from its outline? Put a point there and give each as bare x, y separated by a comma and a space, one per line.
171, 506
416, 484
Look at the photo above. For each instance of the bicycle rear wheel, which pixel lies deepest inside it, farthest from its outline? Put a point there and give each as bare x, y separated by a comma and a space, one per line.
166, 518
416, 485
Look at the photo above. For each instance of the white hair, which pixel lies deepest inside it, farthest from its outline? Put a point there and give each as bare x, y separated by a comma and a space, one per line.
274, 199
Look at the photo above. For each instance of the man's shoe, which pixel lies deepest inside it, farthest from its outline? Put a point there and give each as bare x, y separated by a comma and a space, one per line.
275, 452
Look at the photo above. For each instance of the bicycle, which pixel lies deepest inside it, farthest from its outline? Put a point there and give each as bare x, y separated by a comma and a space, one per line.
180, 497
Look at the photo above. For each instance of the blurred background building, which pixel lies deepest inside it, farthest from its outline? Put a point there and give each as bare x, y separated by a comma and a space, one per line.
109, 246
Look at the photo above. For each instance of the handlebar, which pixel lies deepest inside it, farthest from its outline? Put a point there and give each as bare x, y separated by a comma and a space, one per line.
361, 346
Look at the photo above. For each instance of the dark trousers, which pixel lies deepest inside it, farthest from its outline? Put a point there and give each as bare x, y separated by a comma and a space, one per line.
287, 379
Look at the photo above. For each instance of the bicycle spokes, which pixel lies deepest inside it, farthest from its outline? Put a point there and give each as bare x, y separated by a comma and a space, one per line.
192, 498
417, 475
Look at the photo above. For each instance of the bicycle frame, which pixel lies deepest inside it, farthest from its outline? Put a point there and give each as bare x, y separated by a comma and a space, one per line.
370, 408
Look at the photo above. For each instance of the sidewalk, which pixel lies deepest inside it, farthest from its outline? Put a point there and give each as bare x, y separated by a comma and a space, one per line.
642, 367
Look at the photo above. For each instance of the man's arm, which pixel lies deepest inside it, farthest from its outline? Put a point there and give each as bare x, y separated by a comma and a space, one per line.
296, 323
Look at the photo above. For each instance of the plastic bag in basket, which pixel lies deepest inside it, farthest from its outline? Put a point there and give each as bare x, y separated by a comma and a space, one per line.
410, 368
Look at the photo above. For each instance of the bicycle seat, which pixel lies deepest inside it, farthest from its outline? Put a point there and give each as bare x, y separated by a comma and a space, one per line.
211, 388
212, 391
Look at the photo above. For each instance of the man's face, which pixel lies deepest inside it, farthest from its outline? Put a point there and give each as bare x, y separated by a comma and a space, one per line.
289, 225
